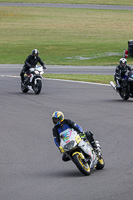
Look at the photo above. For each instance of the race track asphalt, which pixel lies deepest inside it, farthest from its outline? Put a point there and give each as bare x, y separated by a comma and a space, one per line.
14, 69
30, 164
60, 5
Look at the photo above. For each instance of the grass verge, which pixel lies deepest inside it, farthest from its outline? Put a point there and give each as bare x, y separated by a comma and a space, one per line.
65, 36
105, 79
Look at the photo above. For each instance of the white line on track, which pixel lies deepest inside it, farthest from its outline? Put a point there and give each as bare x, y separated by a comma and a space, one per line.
79, 82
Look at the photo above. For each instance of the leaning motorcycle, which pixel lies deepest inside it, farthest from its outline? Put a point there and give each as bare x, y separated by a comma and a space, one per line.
33, 80
80, 152
126, 88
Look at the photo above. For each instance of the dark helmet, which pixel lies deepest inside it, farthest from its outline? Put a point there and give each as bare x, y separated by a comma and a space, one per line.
35, 52
57, 117
123, 62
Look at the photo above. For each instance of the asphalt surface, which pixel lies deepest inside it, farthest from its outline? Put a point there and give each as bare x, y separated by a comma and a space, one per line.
30, 164
14, 69
59, 5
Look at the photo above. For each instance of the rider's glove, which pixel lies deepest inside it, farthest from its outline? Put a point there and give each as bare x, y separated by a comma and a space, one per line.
82, 135
61, 149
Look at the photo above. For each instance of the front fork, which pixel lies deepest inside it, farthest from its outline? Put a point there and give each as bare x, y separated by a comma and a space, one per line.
31, 78
117, 82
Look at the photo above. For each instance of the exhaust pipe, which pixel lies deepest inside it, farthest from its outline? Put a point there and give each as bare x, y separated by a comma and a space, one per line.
113, 85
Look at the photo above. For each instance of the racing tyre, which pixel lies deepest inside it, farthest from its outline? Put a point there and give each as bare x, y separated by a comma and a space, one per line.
37, 88
81, 165
100, 164
24, 88
123, 95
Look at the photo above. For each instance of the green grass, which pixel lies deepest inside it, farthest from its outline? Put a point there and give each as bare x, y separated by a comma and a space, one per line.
64, 36
105, 79
110, 2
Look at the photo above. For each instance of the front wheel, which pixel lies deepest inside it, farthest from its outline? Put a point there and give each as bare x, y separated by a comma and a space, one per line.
81, 164
37, 87
123, 95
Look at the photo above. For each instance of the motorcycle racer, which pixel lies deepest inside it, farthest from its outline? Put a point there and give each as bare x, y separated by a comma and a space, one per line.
30, 62
62, 124
120, 72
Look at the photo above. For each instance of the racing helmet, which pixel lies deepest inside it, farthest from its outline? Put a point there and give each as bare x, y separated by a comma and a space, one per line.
123, 62
35, 52
57, 117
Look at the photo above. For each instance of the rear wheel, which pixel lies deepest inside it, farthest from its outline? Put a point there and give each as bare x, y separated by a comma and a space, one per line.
37, 87
100, 164
81, 164
123, 95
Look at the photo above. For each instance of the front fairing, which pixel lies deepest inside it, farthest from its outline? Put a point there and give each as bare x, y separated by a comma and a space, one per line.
68, 141
38, 70
35, 73
71, 141
127, 84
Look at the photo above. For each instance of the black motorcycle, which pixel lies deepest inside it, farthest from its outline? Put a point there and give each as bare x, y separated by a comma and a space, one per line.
33, 80
126, 86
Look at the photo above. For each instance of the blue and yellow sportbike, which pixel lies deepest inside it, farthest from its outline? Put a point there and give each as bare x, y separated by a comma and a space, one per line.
80, 152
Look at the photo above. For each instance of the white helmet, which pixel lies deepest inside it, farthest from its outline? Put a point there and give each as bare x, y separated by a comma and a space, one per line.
123, 62
35, 52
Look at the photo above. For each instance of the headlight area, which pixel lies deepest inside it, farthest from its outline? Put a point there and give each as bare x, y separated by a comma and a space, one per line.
36, 72
69, 146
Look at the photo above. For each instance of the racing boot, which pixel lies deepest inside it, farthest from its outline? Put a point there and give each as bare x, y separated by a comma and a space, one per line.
97, 148
22, 83
22, 76
22, 80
